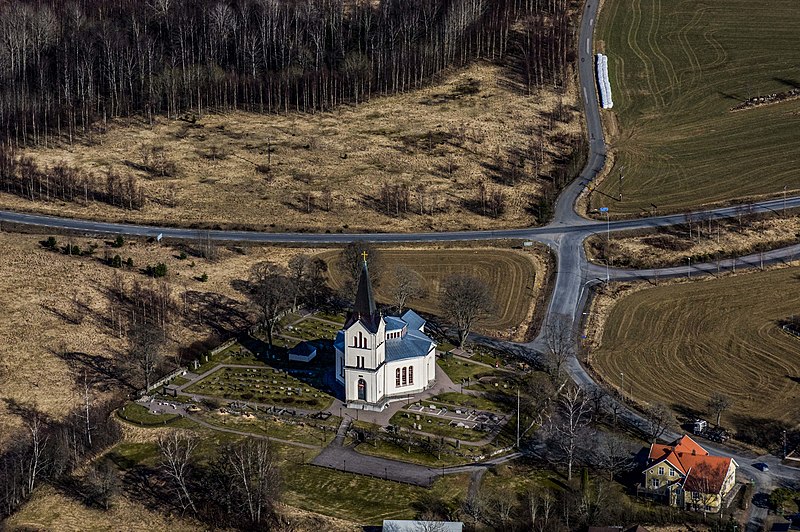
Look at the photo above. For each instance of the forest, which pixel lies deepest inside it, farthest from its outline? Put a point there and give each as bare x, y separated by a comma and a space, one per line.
66, 65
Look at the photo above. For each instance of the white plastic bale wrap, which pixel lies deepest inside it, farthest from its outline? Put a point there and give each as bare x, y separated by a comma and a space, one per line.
603, 84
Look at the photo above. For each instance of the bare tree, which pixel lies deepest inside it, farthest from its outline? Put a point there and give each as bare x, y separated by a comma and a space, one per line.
560, 338
541, 505
145, 348
177, 454
253, 477
612, 453
573, 415
717, 404
472, 507
299, 268
37, 461
407, 285
272, 293
464, 300
351, 261
658, 418
104, 482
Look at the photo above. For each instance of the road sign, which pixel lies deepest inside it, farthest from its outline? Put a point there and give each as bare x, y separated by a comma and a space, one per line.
603, 209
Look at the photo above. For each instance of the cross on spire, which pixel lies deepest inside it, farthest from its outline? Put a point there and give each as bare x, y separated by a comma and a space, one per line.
364, 254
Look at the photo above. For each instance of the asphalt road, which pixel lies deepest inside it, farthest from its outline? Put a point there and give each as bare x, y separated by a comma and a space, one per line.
564, 234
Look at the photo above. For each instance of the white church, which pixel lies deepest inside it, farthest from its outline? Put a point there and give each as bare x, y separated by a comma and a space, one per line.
382, 358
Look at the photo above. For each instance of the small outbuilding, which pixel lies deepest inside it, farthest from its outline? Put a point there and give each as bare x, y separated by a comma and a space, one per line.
303, 352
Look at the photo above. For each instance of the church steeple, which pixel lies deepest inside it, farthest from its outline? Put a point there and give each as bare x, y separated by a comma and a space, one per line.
364, 308
365, 303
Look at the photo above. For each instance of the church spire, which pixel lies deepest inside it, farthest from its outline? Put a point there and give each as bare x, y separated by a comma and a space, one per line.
364, 307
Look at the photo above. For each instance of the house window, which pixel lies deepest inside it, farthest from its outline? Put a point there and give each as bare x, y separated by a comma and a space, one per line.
660, 470
410, 375
404, 376
397, 377
672, 471
655, 483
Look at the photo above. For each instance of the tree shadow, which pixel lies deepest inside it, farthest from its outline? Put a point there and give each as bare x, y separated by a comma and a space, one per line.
788, 82
223, 314
105, 373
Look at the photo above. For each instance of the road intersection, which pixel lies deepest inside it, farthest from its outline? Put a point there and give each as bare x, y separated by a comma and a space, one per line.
564, 234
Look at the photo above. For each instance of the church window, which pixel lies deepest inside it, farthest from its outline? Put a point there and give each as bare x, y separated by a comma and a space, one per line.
404, 376
410, 374
397, 377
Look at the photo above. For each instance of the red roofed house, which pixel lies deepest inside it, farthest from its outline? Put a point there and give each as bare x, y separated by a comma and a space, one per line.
685, 475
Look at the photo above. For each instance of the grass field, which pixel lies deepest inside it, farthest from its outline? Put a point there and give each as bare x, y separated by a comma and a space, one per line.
677, 344
671, 246
676, 69
447, 137
41, 292
514, 278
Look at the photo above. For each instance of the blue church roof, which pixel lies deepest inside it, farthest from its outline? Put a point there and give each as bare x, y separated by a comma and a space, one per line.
394, 323
338, 343
413, 344
414, 320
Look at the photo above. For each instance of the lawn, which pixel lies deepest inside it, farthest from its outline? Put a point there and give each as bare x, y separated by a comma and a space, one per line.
679, 343
261, 385
299, 430
676, 70
459, 369
138, 414
418, 455
363, 499
479, 402
435, 425
518, 478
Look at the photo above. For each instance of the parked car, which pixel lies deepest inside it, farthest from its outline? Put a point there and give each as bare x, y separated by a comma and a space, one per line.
761, 466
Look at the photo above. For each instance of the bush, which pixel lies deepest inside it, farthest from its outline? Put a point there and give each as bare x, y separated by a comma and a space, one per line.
183, 255
116, 262
129, 262
118, 242
159, 270
50, 243
203, 278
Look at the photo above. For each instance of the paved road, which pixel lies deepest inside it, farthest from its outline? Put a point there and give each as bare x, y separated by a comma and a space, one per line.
564, 234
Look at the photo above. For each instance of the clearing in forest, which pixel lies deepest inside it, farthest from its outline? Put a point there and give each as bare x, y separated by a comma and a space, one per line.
677, 69
463, 153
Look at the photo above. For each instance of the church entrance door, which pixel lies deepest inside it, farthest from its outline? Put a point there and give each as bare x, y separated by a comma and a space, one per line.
362, 390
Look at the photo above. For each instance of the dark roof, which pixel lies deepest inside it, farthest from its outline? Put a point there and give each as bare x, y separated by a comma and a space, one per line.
364, 309
303, 349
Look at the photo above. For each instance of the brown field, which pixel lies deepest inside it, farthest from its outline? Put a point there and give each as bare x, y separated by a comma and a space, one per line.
679, 343
447, 137
515, 279
37, 290
671, 246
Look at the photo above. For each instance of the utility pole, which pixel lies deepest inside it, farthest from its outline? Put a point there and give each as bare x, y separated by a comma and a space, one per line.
784, 432
689, 271
621, 374
784, 200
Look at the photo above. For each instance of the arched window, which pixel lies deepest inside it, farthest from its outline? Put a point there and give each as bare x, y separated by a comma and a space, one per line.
404, 376
397, 377
411, 374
